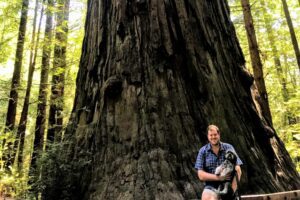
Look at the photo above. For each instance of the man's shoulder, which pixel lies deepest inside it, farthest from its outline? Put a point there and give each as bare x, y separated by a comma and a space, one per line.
204, 148
227, 146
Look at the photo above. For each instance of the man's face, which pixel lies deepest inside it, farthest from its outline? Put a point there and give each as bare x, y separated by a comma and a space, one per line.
213, 136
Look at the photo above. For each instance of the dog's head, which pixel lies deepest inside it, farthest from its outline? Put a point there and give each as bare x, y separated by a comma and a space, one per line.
230, 155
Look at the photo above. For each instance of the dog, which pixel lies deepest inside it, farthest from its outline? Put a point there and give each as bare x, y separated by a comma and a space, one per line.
226, 168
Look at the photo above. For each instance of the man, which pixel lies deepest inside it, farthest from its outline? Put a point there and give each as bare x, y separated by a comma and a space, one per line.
209, 158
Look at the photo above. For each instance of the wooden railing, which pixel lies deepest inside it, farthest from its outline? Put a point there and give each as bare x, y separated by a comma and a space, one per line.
290, 195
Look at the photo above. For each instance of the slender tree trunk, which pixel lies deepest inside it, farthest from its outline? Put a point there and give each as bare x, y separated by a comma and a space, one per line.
153, 75
19, 143
59, 66
13, 97
43, 92
256, 61
15, 83
292, 31
278, 66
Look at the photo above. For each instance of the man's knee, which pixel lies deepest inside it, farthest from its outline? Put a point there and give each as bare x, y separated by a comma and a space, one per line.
209, 195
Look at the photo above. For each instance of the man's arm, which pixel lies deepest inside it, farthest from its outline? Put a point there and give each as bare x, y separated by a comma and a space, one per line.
238, 171
204, 176
238, 175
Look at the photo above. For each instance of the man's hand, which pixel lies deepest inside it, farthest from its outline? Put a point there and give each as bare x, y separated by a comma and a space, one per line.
225, 178
204, 176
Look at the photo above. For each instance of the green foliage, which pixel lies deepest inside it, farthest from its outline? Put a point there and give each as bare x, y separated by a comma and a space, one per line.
291, 138
8, 27
16, 182
285, 111
12, 182
54, 181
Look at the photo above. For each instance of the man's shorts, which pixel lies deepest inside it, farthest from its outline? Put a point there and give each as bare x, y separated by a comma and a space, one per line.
209, 190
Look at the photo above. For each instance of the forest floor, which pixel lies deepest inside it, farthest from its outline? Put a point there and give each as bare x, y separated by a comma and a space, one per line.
6, 198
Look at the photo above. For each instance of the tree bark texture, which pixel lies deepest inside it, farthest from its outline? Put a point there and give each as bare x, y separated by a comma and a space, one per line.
256, 61
153, 75
292, 31
40, 124
55, 125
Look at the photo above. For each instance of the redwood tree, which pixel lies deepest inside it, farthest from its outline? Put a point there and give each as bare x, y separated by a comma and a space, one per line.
15, 83
20, 137
13, 97
256, 62
153, 75
40, 124
292, 31
59, 67
277, 63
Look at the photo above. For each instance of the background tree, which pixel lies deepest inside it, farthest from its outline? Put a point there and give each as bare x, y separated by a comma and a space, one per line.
19, 142
59, 67
152, 76
277, 62
40, 125
256, 61
284, 113
9, 26
292, 31
13, 97
8, 32
10, 21
13, 100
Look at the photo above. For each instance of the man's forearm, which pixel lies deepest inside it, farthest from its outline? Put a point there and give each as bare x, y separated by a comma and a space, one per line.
204, 176
237, 176
238, 171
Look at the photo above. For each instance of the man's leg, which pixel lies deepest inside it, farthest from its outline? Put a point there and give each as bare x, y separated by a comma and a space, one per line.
208, 194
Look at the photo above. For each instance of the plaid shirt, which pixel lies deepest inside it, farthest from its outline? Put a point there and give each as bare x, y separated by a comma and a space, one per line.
208, 161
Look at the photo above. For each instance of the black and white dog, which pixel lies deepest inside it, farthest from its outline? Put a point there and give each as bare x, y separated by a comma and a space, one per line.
226, 168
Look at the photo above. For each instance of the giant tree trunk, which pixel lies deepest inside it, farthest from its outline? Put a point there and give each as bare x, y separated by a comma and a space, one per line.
153, 75
292, 31
59, 66
256, 61
40, 125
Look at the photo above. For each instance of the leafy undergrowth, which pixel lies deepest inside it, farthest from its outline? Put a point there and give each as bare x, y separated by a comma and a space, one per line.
291, 139
13, 184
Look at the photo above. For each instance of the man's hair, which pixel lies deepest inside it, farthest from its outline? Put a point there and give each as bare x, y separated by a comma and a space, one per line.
211, 127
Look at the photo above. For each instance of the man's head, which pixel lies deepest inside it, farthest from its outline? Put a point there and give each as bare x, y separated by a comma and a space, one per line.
213, 134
